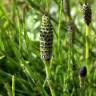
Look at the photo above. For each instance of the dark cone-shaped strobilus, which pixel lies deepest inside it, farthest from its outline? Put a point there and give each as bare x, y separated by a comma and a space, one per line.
87, 13
46, 38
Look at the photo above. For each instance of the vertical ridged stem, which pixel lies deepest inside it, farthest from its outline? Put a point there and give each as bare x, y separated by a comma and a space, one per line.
60, 15
69, 51
72, 65
48, 75
13, 85
87, 45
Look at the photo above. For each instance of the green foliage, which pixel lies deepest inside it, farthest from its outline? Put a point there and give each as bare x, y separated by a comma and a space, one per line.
22, 72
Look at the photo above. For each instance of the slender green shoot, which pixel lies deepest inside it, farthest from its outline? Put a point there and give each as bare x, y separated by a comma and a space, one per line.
87, 45
59, 29
47, 6
13, 85
48, 75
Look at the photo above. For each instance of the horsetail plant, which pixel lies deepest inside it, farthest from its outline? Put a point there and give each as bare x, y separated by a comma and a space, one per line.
46, 40
87, 18
87, 15
71, 31
73, 67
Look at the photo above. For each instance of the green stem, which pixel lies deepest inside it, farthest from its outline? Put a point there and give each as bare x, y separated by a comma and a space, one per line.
13, 85
48, 75
68, 52
59, 27
47, 6
87, 45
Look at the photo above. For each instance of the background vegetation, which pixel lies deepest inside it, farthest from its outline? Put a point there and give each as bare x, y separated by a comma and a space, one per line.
22, 72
